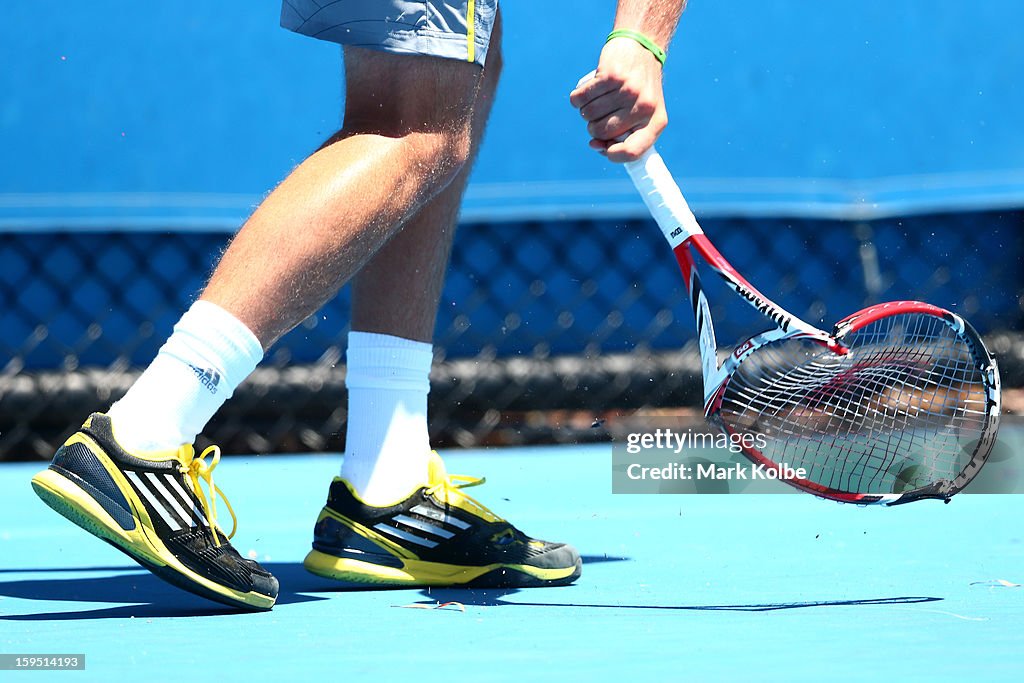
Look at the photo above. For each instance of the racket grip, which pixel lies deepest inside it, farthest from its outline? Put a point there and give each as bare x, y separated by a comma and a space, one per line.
663, 197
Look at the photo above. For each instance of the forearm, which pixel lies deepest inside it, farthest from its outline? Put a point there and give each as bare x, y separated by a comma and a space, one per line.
657, 19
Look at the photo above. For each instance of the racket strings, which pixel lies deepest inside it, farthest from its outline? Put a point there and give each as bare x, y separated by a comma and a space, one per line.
902, 410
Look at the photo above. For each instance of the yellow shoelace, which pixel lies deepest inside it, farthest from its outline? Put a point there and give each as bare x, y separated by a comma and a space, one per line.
196, 468
452, 482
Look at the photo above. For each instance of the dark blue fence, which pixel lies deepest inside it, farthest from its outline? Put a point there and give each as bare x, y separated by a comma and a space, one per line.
120, 114
531, 288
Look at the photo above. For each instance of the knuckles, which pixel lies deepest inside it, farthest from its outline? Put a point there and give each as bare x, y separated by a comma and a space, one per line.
630, 91
614, 78
645, 108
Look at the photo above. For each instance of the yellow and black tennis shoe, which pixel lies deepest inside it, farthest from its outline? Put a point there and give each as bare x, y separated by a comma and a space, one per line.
151, 507
439, 536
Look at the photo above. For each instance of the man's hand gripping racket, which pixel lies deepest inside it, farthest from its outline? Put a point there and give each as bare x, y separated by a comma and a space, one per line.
899, 403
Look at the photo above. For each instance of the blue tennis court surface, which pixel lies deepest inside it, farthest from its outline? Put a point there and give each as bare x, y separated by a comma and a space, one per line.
740, 587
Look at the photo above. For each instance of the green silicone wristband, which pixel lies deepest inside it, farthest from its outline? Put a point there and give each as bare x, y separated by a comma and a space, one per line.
658, 53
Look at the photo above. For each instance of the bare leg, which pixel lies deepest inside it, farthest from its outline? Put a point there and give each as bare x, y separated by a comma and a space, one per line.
383, 300
400, 146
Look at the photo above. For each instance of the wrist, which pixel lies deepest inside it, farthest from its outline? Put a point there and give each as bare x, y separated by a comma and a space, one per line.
640, 39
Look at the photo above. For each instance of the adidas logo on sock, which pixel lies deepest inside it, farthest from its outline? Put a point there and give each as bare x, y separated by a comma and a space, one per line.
208, 378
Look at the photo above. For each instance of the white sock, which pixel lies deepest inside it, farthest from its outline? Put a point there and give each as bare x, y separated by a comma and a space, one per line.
387, 447
195, 371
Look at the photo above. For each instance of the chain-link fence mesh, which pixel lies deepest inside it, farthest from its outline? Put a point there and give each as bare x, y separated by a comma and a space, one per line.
542, 324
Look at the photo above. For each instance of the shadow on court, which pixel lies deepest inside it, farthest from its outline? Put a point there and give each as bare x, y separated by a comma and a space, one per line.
148, 595
143, 595
304, 582
494, 598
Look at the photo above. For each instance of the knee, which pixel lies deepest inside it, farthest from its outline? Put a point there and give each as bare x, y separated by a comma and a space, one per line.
455, 148
433, 157
440, 155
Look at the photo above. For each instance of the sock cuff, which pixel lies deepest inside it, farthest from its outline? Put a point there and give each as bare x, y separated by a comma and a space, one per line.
373, 340
209, 331
381, 361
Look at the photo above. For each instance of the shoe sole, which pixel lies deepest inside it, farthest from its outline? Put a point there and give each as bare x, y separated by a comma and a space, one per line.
141, 544
436, 574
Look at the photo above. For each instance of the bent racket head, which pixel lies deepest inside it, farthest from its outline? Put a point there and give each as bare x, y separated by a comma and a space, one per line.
910, 412
899, 403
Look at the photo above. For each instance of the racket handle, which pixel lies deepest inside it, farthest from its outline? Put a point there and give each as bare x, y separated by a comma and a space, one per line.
663, 197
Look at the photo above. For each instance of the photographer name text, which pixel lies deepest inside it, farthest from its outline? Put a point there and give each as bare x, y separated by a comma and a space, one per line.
700, 471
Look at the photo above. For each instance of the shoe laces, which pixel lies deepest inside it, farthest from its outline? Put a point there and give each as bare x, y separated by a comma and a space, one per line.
445, 485
454, 482
195, 468
447, 489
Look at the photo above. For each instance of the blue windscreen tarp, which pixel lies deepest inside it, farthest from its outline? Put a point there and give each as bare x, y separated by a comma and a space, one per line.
182, 115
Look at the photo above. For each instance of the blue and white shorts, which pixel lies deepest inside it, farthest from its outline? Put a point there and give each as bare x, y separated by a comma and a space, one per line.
454, 29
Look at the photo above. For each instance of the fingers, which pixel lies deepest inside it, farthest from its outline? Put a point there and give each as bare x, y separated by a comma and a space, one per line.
625, 117
602, 106
591, 90
633, 102
633, 147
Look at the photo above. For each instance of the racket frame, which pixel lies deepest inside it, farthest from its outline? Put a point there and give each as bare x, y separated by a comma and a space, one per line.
680, 228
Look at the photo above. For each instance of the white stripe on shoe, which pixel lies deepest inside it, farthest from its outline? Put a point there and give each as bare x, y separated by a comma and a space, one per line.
169, 499
424, 526
405, 535
161, 510
189, 500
